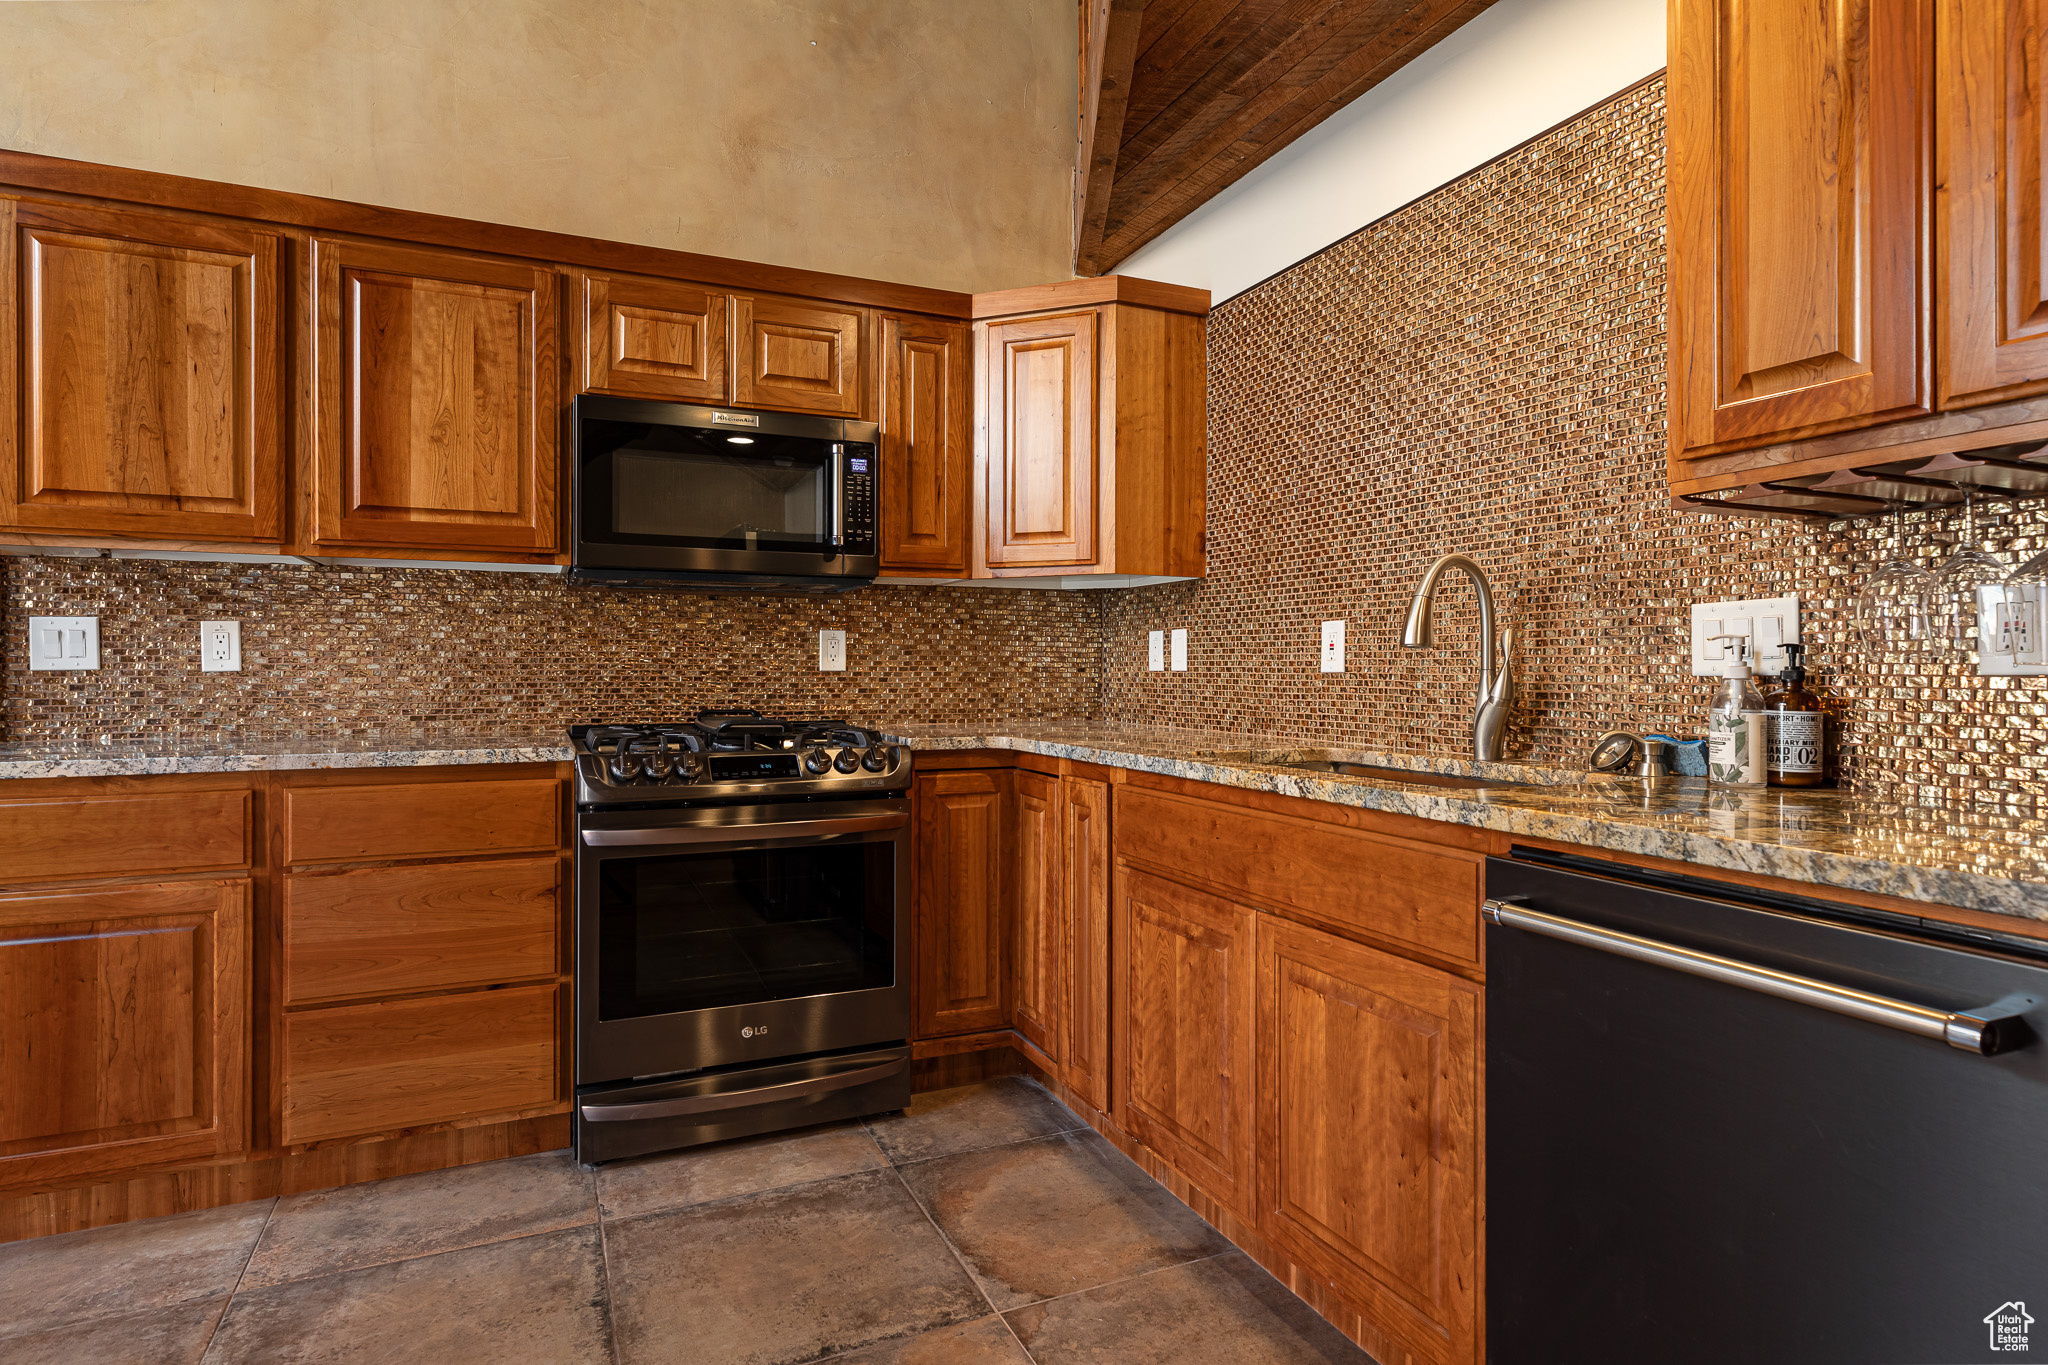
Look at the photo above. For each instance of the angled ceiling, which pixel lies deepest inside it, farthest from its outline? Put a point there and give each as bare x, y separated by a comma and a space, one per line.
1179, 98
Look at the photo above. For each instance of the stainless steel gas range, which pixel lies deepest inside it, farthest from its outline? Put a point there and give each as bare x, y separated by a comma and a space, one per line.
739, 929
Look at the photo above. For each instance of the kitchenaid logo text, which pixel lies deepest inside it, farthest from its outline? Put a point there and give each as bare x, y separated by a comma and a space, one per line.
2008, 1324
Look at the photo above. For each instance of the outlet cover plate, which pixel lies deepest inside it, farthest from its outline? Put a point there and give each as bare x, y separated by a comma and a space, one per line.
220, 646
831, 651
1177, 650
1155, 652
1333, 646
63, 642
1770, 623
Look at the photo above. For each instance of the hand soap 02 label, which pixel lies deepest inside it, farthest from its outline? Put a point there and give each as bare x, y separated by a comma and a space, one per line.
1735, 748
1795, 741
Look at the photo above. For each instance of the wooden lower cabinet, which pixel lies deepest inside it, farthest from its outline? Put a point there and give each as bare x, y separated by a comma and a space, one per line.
398, 1064
1084, 1002
1039, 883
1184, 961
1369, 1112
123, 1027
962, 971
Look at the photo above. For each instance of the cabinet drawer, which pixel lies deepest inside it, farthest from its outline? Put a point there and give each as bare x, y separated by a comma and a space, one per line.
118, 836
380, 1068
421, 820
389, 930
1394, 888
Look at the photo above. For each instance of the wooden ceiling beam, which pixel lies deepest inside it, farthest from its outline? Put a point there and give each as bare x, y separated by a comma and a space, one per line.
1109, 47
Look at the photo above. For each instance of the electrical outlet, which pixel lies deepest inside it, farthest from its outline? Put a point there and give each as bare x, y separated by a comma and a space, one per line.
220, 646
1333, 646
2009, 632
1178, 650
1155, 652
63, 642
831, 651
1768, 623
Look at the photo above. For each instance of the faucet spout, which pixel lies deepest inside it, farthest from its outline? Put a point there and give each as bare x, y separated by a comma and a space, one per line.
1496, 696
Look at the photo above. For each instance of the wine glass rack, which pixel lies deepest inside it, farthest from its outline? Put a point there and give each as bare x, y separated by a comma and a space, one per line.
2006, 472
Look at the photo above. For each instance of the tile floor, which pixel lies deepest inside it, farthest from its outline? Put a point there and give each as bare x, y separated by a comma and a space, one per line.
986, 1226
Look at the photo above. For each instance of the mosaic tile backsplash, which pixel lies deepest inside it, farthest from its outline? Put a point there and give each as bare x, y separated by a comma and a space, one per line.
1484, 371
350, 651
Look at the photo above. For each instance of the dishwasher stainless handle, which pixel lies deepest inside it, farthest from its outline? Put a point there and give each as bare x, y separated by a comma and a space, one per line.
735, 1099
1987, 1031
753, 832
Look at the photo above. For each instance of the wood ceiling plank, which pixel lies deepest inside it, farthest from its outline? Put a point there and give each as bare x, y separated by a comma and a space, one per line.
1110, 47
1175, 77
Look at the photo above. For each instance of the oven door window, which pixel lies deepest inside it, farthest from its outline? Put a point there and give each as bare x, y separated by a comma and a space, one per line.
697, 931
712, 490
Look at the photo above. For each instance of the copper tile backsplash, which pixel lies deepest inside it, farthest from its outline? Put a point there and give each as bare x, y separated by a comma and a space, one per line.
1484, 371
348, 651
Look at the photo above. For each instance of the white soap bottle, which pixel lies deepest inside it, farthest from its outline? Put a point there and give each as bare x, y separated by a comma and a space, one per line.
1735, 725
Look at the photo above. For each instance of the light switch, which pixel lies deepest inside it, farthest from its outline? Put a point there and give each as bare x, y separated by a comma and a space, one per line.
1179, 651
1155, 652
1770, 623
59, 642
1333, 646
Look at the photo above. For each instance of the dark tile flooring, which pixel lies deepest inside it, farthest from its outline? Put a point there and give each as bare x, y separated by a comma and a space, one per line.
986, 1226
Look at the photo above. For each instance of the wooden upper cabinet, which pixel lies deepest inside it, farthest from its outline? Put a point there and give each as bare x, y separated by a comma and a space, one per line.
123, 1027
1039, 883
926, 412
1368, 1164
1084, 864
1798, 192
433, 421
1186, 1005
1992, 338
147, 352
646, 338
795, 355
1040, 408
962, 983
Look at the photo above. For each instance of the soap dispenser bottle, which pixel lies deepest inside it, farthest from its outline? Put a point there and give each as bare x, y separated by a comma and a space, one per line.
1796, 726
1735, 725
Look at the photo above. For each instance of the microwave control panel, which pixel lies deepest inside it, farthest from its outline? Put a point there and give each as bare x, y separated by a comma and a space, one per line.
860, 500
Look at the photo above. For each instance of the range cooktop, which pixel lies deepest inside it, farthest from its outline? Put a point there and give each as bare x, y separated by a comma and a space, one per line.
731, 754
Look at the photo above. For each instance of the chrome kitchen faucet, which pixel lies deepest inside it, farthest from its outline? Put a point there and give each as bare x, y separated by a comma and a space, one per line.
1496, 689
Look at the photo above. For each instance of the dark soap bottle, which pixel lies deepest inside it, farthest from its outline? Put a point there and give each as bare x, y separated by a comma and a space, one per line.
1794, 728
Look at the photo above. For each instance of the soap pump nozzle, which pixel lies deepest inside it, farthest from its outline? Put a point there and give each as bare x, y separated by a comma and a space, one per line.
1738, 667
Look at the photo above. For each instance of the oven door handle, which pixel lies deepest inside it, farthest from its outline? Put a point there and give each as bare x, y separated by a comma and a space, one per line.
735, 1099
755, 832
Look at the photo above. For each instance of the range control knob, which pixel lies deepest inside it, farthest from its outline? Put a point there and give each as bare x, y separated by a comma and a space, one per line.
623, 767
875, 759
848, 760
660, 766
817, 761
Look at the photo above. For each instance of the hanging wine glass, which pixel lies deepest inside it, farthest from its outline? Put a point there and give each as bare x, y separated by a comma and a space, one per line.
1892, 607
1963, 579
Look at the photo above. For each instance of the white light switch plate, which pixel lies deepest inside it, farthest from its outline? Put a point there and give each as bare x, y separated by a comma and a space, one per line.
1155, 652
1770, 623
220, 646
1179, 651
1333, 646
59, 642
831, 651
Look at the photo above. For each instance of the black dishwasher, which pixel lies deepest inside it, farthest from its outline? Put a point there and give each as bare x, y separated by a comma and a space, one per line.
1733, 1127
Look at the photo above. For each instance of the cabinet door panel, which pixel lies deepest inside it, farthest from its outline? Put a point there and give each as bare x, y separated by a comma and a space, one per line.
1993, 319
123, 1026
1799, 179
925, 410
1041, 411
149, 373
435, 390
1084, 862
796, 356
652, 339
1041, 927
1185, 961
1369, 1125
962, 963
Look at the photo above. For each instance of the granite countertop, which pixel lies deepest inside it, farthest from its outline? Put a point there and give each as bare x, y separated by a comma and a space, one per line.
1975, 857
1979, 858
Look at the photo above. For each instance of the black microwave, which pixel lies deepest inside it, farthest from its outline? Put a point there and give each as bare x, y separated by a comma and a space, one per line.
677, 495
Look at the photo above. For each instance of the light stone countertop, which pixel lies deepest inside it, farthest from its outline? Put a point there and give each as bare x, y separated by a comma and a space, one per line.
1982, 858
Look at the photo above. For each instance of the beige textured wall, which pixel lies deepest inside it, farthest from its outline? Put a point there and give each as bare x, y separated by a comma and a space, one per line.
925, 141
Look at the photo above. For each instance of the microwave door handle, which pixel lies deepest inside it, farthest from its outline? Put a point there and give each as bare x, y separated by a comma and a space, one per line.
838, 497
